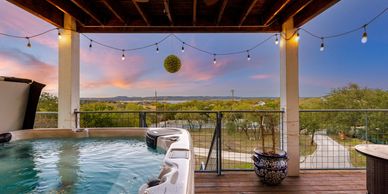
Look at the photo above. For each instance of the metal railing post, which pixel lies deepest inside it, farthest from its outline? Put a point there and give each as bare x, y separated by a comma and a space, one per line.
142, 119
77, 121
366, 127
219, 143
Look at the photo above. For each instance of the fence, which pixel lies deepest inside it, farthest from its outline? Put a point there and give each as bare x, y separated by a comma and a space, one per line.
328, 137
224, 140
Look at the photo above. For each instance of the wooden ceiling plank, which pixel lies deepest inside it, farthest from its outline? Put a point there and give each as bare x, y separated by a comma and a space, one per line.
221, 13
41, 9
246, 13
67, 8
312, 10
115, 9
141, 12
274, 11
167, 10
89, 11
195, 12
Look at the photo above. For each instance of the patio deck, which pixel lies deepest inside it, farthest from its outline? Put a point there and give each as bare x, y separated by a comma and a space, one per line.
327, 181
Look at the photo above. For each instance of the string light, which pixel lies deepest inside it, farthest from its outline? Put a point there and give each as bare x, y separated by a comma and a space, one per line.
322, 45
248, 56
29, 42
295, 36
276, 39
59, 34
364, 37
123, 56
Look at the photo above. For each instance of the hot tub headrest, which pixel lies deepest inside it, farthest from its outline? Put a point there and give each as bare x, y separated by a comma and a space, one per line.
19, 100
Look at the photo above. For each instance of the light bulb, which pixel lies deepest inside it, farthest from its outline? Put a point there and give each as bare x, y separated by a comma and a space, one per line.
364, 38
123, 56
90, 45
29, 42
59, 35
322, 45
276, 39
297, 36
183, 49
248, 56
214, 59
157, 48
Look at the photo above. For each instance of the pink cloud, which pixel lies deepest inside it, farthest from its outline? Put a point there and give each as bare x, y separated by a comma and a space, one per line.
261, 76
15, 63
202, 71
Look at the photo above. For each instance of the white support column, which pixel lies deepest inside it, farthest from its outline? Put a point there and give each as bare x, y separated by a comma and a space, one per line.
289, 95
69, 74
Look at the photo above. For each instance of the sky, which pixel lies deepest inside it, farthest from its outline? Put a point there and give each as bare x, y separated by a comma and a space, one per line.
103, 73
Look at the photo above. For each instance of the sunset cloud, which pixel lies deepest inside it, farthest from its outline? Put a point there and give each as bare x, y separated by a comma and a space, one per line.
261, 76
16, 63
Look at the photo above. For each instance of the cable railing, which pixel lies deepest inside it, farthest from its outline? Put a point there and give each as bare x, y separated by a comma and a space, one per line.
224, 140
328, 137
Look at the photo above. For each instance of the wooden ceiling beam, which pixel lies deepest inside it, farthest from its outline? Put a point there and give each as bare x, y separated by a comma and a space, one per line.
167, 11
246, 13
295, 8
115, 9
221, 13
178, 29
195, 12
85, 7
312, 10
141, 12
274, 11
69, 9
41, 9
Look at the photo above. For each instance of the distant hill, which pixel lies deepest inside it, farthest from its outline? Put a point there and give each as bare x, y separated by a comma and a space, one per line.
169, 98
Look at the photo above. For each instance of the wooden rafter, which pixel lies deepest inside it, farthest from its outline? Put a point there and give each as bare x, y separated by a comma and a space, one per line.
195, 12
168, 12
141, 12
311, 11
295, 8
69, 9
274, 11
221, 13
115, 9
89, 11
41, 9
246, 13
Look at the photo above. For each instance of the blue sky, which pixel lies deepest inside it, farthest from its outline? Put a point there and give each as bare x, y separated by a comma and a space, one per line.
103, 73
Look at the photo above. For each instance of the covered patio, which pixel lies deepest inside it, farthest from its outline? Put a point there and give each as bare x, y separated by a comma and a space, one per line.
199, 16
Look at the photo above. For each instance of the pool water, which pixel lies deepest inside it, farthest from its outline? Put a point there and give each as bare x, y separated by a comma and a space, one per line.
88, 165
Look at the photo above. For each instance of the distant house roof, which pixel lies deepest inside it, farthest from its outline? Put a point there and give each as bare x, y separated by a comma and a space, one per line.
105, 16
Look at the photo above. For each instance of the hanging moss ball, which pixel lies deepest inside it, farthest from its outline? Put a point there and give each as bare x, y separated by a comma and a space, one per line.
172, 64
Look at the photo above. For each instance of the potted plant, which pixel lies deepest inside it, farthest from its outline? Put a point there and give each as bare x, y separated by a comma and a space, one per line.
270, 162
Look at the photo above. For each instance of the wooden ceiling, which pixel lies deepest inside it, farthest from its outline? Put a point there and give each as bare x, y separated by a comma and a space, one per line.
130, 16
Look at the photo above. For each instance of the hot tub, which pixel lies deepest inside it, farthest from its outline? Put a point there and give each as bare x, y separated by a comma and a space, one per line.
105, 160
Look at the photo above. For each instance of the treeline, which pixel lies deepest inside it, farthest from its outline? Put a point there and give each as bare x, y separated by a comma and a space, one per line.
372, 126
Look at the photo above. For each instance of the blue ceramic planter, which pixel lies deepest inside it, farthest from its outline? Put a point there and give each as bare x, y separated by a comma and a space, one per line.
270, 168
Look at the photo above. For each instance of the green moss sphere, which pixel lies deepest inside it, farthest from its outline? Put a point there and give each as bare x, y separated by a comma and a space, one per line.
172, 64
